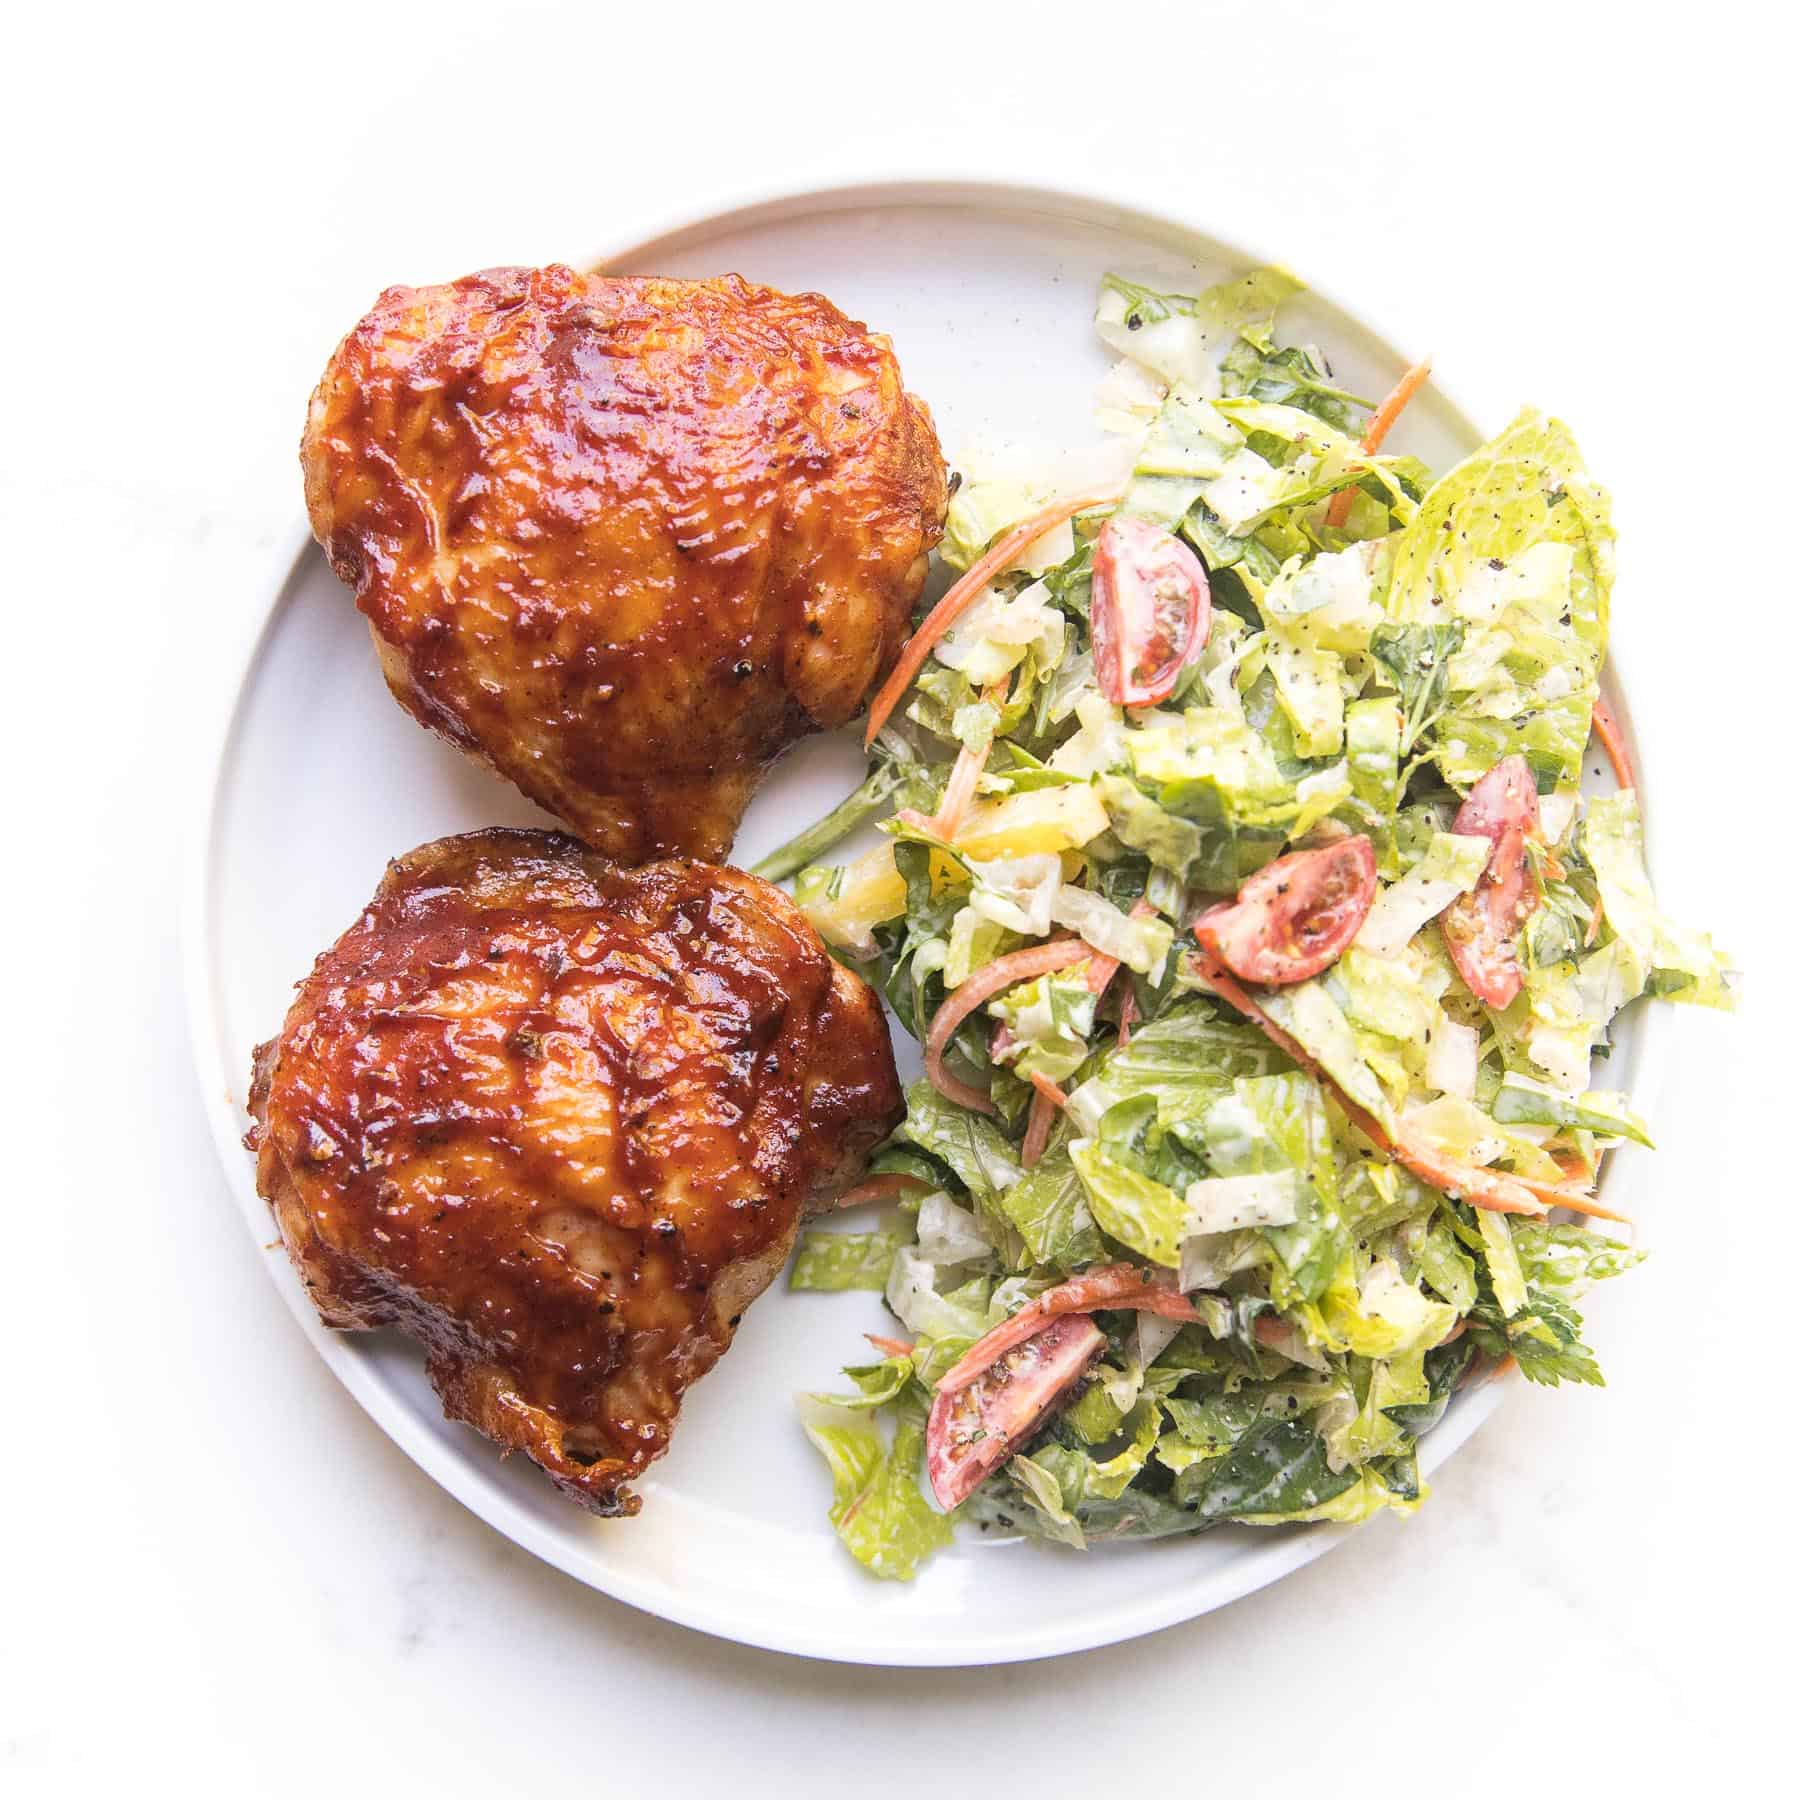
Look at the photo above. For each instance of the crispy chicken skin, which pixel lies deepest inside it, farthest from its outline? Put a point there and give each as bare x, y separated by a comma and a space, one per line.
560, 1121
624, 540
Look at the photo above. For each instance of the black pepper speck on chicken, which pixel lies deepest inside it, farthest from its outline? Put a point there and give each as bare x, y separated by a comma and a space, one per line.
560, 1122
625, 540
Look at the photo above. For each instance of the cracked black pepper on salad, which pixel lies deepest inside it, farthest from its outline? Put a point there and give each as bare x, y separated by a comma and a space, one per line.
1236, 878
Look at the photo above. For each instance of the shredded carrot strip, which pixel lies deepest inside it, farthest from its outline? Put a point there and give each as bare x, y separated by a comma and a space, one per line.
1483, 1368
889, 1346
1574, 1192
1104, 968
1480, 1187
1574, 1198
1037, 1130
974, 1098
1128, 1015
1395, 404
1381, 422
1116, 1286
1487, 1188
960, 789
935, 822
1100, 973
1046, 1103
1002, 972
1612, 741
960, 597
1049, 1098
880, 1187
1570, 1164
1231, 991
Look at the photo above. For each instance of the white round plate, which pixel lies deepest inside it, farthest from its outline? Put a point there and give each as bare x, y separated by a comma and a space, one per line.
318, 778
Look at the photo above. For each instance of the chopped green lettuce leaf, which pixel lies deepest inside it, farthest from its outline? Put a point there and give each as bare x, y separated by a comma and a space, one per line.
975, 1149
1312, 1018
1515, 547
1144, 1215
1280, 1473
1271, 1124
1683, 965
1140, 944
1236, 1202
1504, 1272
1049, 1210
830, 1262
1297, 377
915, 1299
1038, 1481
999, 632
877, 1508
1450, 866
948, 1234
1522, 1101
1182, 338
1372, 749
1016, 891
1182, 1060
1446, 1268
876, 1384
1569, 1258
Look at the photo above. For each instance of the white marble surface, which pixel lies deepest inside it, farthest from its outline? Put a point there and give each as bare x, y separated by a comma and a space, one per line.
217, 1569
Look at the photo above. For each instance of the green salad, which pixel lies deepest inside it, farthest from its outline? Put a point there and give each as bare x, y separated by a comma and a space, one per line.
1236, 880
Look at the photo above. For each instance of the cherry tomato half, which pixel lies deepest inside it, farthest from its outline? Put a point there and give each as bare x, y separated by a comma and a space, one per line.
1295, 917
1151, 610
1481, 929
972, 1431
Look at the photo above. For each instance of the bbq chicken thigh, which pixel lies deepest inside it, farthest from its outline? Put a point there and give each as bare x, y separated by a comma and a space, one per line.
624, 540
560, 1122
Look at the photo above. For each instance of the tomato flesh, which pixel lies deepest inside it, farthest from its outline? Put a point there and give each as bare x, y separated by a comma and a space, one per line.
1295, 917
1151, 610
973, 1430
1481, 929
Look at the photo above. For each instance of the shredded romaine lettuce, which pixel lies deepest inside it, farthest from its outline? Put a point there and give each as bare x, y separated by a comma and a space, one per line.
831, 1261
880, 1515
1132, 1208
1379, 640
1140, 944
1051, 1020
1450, 866
1183, 338
1516, 546
1680, 964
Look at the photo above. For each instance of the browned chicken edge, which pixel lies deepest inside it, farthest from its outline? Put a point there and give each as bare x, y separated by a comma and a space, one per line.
560, 1121
625, 540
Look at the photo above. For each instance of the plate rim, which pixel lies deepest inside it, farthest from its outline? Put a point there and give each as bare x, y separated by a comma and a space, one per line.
462, 1475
